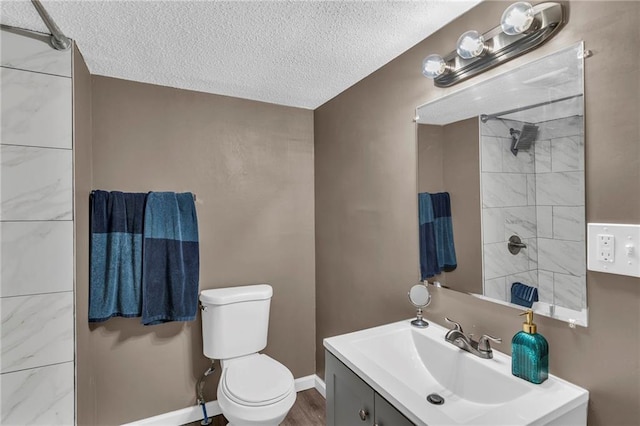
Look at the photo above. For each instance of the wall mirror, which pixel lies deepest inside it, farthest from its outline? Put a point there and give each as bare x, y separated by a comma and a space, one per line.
509, 151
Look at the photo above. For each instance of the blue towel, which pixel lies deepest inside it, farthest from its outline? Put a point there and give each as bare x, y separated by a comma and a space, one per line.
523, 295
171, 262
428, 252
437, 251
444, 231
116, 255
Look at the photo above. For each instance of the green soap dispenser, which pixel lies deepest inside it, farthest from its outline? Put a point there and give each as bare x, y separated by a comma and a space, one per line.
530, 353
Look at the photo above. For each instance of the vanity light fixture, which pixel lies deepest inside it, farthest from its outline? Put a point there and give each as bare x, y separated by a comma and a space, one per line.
522, 28
471, 45
517, 18
434, 66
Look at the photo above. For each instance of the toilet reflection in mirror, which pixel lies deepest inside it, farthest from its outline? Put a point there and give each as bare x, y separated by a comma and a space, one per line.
510, 152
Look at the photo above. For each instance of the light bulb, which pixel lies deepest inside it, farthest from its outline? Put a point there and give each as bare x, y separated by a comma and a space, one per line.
470, 45
517, 18
433, 66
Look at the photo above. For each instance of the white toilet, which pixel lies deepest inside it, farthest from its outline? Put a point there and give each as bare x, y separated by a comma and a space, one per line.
254, 389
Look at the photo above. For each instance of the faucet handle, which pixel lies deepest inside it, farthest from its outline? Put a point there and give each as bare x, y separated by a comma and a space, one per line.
483, 343
456, 325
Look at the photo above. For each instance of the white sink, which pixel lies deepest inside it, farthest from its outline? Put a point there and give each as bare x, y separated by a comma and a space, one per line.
405, 364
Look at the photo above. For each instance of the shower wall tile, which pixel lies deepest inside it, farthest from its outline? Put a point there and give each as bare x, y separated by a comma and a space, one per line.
568, 223
531, 189
560, 189
549, 179
562, 127
564, 257
545, 286
36, 183
491, 154
504, 189
32, 51
36, 257
520, 221
544, 218
496, 289
499, 262
521, 163
494, 128
36, 230
532, 252
567, 154
36, 330
40, 396
33, 107
570, 291
493, 225
543, 156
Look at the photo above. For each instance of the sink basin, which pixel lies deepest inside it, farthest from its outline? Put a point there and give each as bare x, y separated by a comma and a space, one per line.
405, 365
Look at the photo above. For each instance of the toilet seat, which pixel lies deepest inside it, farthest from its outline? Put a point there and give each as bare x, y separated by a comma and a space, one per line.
256, 381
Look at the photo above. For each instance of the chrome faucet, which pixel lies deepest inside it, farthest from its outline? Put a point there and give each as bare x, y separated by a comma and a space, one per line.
481, 348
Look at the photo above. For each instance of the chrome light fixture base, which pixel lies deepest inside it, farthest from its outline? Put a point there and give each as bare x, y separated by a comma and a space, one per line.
549, 17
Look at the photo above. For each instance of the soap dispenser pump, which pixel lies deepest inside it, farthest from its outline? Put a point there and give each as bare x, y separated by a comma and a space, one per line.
530, 353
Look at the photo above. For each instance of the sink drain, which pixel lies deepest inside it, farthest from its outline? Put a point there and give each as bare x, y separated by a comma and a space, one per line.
435, 399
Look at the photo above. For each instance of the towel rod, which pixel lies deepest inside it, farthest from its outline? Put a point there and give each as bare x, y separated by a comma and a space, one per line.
193, 193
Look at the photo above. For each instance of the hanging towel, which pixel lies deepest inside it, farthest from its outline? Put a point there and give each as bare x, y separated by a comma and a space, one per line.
428, 252
523, 295
116, 255
171, 261
444, 231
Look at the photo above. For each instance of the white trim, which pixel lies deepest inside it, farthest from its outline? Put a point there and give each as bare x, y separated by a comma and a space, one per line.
180, 417
192, 414
304, 383
320, 386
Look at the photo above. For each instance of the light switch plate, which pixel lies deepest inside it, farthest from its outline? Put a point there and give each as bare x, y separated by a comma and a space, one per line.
613, 248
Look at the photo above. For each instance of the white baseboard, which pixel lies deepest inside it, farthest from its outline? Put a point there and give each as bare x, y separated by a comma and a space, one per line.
304, 383
320, 386
192, 414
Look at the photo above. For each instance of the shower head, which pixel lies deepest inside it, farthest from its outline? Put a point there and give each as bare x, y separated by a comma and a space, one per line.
523, 139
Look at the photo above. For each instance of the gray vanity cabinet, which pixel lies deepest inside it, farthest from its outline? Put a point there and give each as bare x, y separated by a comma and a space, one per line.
352, 402
387, 415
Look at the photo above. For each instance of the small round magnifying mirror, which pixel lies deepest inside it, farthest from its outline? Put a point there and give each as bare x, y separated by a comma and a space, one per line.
420, 298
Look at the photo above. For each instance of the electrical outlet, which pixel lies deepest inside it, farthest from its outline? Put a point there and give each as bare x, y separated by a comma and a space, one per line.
606, 247
613, 248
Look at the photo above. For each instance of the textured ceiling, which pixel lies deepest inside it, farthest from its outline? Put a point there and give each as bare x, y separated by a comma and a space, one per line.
297, 53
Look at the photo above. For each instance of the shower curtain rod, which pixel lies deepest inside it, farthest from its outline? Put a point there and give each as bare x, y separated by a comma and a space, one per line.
58, 40
484, 117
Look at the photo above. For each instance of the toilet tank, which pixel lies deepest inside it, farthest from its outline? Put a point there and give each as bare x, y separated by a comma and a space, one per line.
235, 320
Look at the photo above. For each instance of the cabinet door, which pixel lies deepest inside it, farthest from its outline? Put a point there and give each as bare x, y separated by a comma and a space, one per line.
387, 415
350, 401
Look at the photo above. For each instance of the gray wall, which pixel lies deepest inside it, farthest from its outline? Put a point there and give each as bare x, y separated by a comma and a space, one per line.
36, 214
366, 239
251, 166
441, 149
83, 177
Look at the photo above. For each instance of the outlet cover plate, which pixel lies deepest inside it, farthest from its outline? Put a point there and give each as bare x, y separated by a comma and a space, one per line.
626, 249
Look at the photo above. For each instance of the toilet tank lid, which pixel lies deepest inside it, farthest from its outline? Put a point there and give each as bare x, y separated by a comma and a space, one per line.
224, 296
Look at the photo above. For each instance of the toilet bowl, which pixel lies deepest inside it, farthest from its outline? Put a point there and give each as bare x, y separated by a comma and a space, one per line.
254, 389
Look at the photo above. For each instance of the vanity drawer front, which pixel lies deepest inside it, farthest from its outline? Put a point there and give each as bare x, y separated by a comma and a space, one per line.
350, 401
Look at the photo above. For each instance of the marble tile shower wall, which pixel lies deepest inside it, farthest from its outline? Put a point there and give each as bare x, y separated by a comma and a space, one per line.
36, 233
508, 208
560, 199
537, 195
